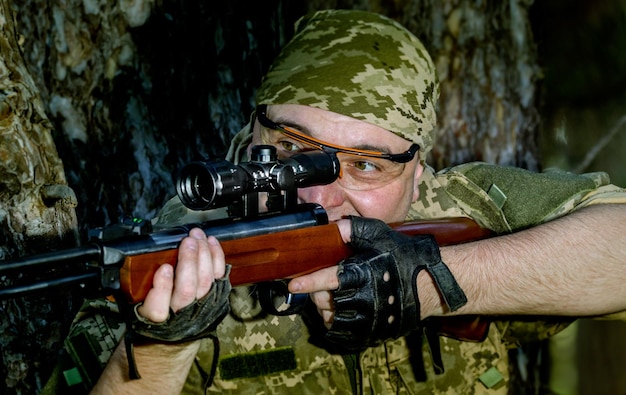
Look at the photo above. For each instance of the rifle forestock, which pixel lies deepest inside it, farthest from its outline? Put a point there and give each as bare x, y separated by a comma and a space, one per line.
293, 253
284, 254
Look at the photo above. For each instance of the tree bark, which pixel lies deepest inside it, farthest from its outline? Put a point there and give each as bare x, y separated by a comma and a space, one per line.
36, 213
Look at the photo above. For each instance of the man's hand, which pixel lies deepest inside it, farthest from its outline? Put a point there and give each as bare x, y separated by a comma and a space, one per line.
372, 296
200, 262
186, 303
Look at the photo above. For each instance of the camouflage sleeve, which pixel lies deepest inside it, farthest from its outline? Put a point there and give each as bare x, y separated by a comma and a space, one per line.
94, 335
508, 199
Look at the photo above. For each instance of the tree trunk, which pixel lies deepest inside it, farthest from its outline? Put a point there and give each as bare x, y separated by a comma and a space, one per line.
36, 213
134, 89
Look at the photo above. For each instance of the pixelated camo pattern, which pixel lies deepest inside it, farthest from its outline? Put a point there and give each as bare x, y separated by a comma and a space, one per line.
466, 190
506, 199
93, 337
384, 370
349, 61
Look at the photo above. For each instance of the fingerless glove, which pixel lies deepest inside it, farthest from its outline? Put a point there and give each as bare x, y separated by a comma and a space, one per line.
377, 298
195, 321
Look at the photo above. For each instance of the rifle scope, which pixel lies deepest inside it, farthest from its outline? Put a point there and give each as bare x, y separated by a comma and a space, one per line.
210, 184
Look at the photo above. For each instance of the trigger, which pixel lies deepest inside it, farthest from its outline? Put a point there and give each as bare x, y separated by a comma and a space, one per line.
276, 299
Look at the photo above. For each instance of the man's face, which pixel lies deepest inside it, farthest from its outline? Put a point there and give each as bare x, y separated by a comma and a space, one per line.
389, 202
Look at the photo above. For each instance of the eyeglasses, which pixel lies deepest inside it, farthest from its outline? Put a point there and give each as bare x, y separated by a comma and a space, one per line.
360, 169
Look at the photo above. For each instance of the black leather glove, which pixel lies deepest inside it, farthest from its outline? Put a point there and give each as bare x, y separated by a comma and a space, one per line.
193, 322
377, 296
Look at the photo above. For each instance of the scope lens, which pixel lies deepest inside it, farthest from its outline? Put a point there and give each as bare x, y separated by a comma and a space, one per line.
196, 185
211, 184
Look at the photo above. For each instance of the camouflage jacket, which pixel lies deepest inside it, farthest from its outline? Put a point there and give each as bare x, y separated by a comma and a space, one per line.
260, 353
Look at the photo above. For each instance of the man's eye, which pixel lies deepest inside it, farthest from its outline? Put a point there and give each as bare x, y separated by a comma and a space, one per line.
288, 146
362, 165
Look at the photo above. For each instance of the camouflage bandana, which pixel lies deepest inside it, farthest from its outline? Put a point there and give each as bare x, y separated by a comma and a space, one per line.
361, 65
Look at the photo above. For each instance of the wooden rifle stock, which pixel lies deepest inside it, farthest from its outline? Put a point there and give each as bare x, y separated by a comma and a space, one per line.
293, 253
255, 259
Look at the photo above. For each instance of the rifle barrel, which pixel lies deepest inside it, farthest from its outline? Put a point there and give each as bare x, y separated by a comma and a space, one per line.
48, 259
13, 291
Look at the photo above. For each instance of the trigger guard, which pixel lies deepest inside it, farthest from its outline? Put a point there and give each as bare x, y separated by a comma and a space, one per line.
269, 292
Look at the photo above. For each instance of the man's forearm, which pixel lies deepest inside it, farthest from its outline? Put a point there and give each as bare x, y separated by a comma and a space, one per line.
163, 369
575, 265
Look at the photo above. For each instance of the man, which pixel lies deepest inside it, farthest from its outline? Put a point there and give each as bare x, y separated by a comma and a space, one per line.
361, 86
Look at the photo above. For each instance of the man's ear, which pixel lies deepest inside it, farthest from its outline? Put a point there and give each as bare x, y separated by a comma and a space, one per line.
419, 169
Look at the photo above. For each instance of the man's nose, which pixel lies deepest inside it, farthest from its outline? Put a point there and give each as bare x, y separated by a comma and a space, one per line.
331, 195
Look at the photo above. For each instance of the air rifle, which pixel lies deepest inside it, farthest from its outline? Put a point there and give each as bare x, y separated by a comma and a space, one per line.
284, 241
